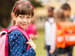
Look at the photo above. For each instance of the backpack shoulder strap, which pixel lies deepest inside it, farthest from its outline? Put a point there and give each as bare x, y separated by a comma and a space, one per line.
5, 32
16, 27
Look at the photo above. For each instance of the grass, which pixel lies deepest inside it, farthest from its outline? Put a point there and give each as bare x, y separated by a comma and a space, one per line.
74, 51
40, 51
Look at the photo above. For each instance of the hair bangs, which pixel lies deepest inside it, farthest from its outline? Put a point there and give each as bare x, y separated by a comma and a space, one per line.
24, 9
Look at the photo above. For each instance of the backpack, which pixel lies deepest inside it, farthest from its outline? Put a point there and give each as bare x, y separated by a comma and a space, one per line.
4, 39
65, 34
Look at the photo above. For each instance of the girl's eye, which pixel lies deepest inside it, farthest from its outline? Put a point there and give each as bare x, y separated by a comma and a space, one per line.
21, 16
28, 17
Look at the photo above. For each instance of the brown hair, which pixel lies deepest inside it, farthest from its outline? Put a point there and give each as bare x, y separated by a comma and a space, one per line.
52, 8
58, 16
66, 6
23, 9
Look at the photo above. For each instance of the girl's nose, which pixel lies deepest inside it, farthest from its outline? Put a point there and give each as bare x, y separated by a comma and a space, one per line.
24, 20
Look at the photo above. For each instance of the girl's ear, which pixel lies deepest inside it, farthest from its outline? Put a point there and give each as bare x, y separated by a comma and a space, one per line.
13, 16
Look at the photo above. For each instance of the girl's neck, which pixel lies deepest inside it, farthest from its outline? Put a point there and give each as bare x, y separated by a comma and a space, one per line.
20, 27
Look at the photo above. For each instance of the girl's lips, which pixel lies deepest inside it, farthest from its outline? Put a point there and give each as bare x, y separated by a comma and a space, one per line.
24, 24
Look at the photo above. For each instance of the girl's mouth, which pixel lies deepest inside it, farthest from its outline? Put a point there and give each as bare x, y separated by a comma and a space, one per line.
24, 24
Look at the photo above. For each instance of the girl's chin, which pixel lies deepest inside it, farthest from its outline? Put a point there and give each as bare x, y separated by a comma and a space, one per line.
23, 25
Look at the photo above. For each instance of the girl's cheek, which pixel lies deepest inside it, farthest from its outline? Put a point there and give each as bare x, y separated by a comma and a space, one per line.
30, 21
18, 23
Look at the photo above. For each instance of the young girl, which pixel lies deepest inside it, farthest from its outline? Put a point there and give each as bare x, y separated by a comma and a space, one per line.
59, 17
32, 30
22, 13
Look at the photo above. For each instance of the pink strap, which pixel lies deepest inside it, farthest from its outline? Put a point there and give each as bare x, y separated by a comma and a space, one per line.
21, 4
6, 42
6, 45
4, 29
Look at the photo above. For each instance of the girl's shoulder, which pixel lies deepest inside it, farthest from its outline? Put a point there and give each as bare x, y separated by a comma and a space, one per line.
15, 29
15, 32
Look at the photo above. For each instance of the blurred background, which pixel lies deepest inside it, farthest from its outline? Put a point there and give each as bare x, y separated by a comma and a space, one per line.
40, 13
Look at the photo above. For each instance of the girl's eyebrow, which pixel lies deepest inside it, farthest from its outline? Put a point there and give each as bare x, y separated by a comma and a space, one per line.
25, 15
20, 15
28, 16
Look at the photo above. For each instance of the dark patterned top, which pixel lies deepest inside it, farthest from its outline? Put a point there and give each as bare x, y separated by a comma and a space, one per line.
18, 46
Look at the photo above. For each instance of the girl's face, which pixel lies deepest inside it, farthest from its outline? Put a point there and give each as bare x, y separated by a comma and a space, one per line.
23, 21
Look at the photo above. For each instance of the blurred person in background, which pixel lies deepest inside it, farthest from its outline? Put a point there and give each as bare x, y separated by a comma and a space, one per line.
32, 30
70, 18
67, 12
48, 25
73, 18
59, 17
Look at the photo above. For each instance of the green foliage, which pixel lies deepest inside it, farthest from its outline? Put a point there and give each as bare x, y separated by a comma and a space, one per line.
35, 3
5, 9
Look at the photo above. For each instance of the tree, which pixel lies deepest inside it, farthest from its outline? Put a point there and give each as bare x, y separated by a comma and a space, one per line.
5, 9
36, 4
